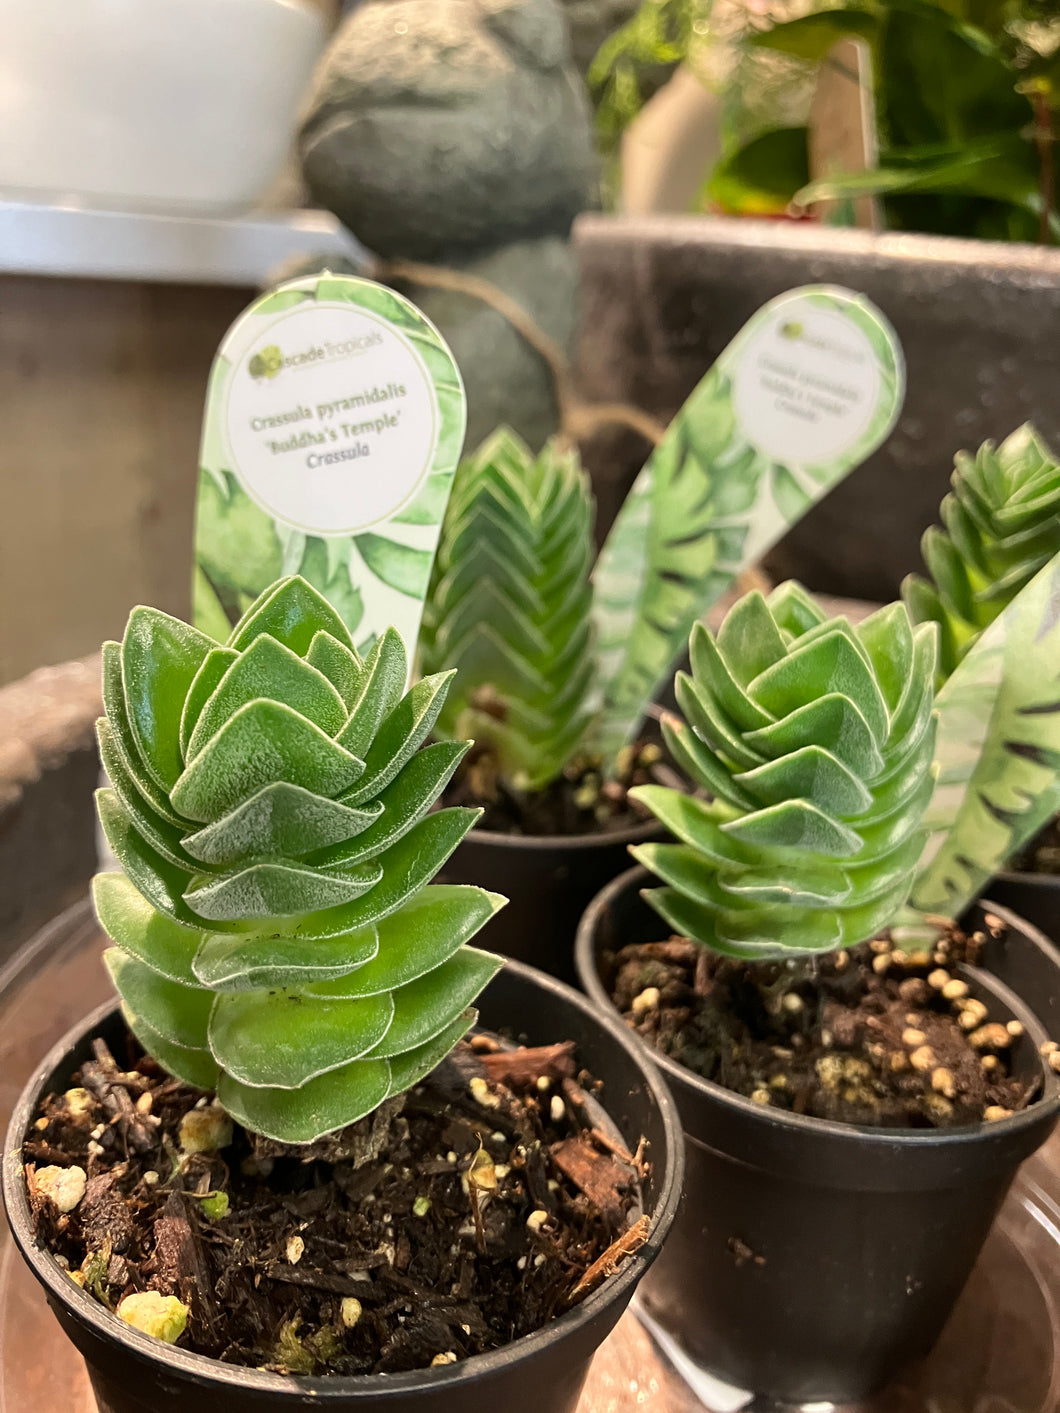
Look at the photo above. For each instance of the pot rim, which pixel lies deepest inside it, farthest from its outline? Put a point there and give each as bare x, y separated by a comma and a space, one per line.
632, 834
327, 1388
1015, 875
780, 1119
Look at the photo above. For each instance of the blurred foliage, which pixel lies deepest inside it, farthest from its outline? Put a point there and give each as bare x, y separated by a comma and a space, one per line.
967, 96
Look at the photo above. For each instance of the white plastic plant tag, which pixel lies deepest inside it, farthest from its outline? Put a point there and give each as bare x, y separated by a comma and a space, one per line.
334, 421
807, 389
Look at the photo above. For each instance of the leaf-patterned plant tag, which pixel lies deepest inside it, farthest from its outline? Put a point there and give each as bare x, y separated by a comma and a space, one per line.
334, 421
807, 389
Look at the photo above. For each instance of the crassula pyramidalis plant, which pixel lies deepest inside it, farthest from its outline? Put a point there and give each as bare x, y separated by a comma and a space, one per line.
510, 608
1000, 526
277, 935
815, 741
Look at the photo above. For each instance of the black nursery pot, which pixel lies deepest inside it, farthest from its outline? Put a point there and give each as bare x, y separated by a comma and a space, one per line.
541, 1373
811, 1260
1025, 959
549, 881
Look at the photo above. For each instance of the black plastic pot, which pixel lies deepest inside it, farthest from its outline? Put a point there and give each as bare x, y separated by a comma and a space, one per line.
1025, 959
549, 882
542, 1373
811, 1260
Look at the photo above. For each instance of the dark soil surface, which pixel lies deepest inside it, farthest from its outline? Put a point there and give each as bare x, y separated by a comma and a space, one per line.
876, 1035
452, 1222
581, 801
1042, 854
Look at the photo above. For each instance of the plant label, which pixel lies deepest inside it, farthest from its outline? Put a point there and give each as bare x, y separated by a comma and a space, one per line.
334, 422
807, 389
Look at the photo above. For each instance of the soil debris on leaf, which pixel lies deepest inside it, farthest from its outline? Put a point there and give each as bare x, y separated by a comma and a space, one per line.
876, 1035
452, 1222
581, 801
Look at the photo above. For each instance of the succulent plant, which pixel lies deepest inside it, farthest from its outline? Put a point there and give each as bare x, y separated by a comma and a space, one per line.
815, 740
1002, 525
510, 607
272, 811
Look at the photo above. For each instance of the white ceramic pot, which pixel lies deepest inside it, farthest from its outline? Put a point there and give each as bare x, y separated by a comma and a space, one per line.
156, 105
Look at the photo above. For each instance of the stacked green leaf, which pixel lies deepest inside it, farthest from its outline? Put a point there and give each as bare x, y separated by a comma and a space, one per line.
815, 741
510, 604
271, 806
1002, 525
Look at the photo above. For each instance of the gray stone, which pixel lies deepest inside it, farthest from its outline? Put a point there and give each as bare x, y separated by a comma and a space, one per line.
506, 380
438, 126
662, 296
593, 21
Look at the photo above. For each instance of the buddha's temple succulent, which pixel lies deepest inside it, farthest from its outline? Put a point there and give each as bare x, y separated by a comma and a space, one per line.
510, 608
814, 740
271, 805
1002, 525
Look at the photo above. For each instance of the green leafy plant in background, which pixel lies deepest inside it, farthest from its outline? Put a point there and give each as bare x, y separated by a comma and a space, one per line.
509, 607
277, 934
1001, 526
967, 97
814, 741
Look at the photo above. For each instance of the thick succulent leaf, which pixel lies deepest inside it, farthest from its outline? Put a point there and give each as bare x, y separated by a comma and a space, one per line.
322, 1105
339, 664
407, 866
282, 1038
422, 935
427, 1006
794, 611
205, 682
414, 1065
888, 639
160, 881
402, 733
164, 837
158, 941
749, 641
292, 612
180, 1014
403, 803
795, 824
195, 1067
254, 961
816, 668
711, 725
159, 657
281, 819
700, 763
693, 822
268, 670
277, 890
998, 750
122, 736
834, 721
811, 773
691, 919
378, 692
710, 666
263, 743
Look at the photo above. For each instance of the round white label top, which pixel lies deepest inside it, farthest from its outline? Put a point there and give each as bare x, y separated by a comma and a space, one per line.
806, 385
330, 417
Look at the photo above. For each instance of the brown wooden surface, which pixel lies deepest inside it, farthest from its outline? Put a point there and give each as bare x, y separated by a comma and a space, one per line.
102, 386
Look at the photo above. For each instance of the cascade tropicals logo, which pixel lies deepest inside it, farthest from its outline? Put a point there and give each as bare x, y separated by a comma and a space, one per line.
270, 361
